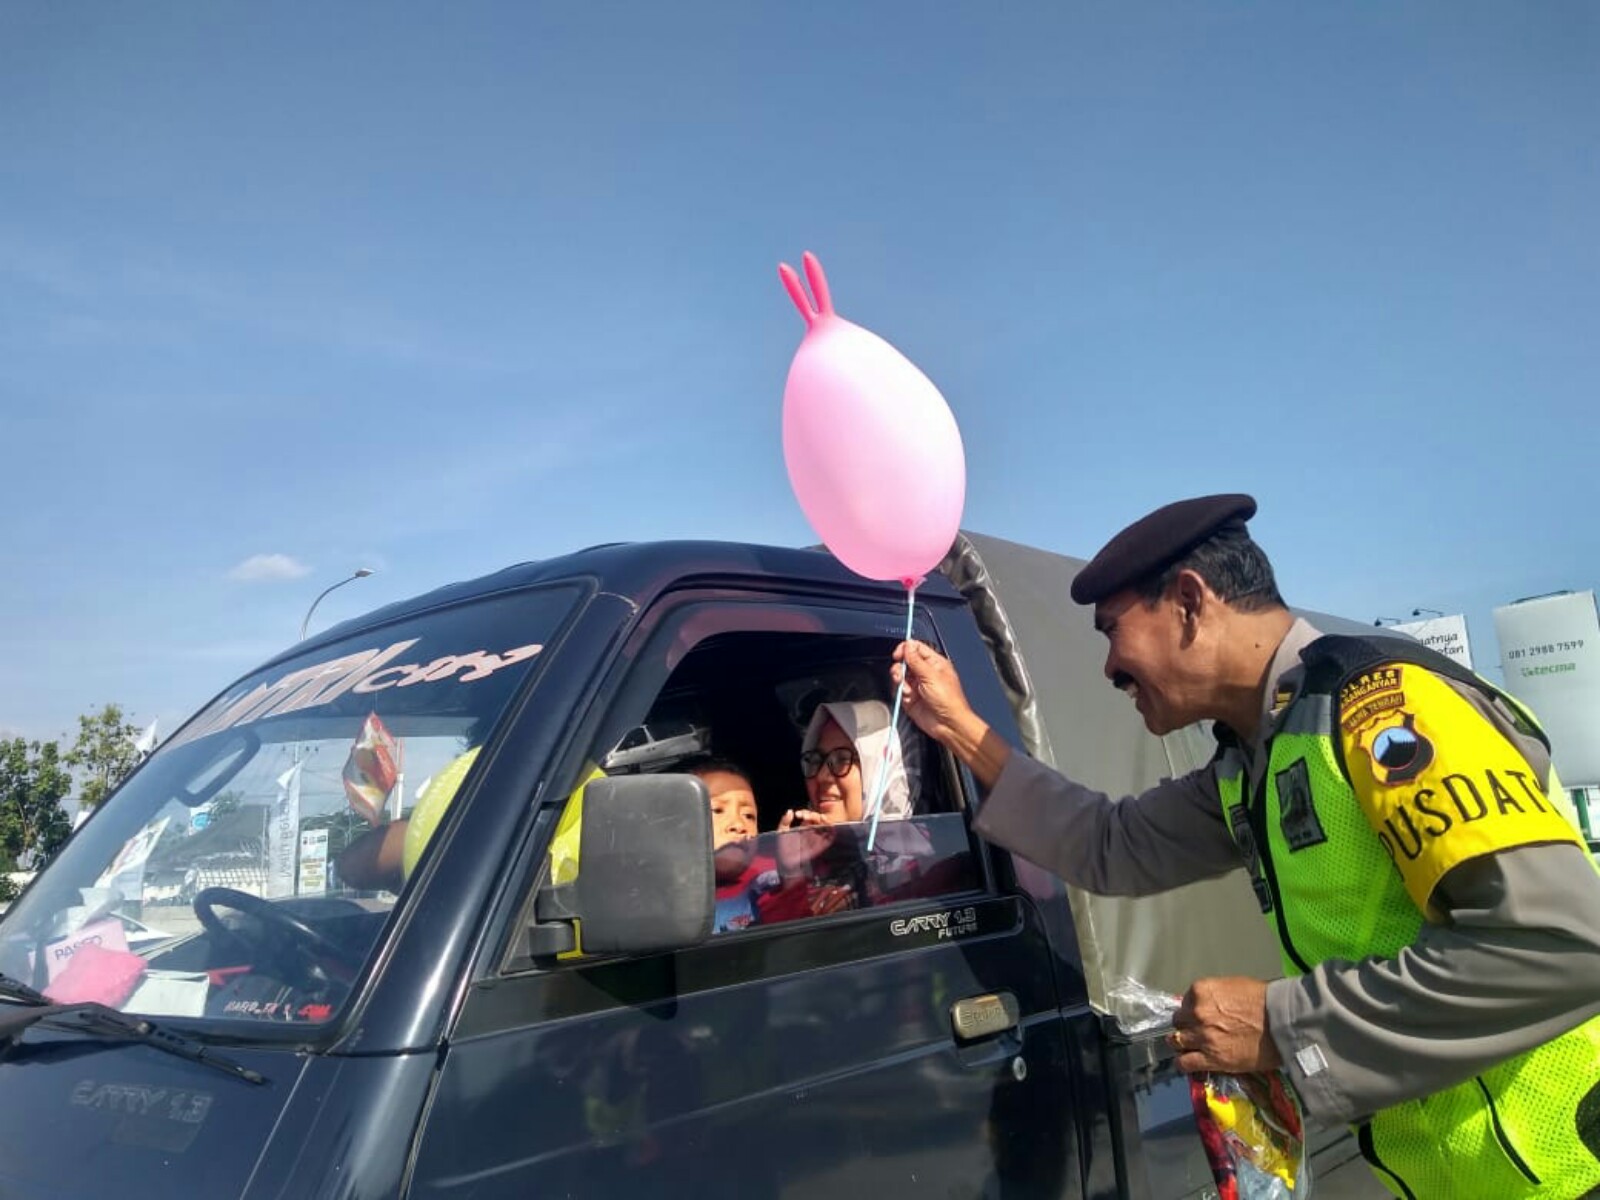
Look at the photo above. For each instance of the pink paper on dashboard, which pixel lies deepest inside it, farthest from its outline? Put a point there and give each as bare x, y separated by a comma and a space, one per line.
107, 934
97, 974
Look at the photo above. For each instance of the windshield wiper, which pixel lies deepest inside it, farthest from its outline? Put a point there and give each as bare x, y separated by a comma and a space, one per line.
98, 1020
15, 989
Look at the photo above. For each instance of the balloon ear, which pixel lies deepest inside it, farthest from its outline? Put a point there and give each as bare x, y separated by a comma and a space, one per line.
819, 283
797, 293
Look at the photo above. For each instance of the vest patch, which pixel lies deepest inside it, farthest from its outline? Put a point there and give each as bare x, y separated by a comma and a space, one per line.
1369, 696
1365, 713
1368, 685
1298, 818
1439, 785
1245, 838
1400, 752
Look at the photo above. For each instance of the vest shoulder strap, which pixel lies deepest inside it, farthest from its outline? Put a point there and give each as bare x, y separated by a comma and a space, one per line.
1334, 659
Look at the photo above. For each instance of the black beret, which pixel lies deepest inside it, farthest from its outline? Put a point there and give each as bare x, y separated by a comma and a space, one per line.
1155, 541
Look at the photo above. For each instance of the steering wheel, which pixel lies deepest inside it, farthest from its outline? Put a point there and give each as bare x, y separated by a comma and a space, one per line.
284, 939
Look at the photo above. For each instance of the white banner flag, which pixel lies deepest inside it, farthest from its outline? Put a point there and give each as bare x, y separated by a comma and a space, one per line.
126, 872
282, 830
1447, 635
1550, 650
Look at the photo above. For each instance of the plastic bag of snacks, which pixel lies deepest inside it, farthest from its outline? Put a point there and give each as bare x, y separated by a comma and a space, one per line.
1250, 1125
372, 769
1253, 1136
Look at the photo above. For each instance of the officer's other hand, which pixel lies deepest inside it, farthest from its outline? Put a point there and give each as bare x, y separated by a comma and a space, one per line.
932, 695
1222, 1026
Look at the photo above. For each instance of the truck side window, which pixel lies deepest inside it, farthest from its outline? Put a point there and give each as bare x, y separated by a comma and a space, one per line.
741, 708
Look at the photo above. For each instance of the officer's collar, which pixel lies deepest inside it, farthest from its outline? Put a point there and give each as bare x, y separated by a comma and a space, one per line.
1285, 676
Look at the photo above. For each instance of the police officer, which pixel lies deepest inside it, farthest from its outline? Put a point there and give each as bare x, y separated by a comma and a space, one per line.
1437, 913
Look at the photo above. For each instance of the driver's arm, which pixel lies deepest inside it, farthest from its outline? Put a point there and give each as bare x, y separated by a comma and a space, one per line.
373, 860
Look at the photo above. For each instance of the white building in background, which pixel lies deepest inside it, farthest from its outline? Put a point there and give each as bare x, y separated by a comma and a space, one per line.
1550, 653
1446, 634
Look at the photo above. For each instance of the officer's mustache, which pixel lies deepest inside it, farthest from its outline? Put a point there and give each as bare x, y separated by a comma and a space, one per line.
1121, 680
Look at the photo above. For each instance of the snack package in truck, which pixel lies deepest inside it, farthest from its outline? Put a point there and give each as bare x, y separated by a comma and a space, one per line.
372, 769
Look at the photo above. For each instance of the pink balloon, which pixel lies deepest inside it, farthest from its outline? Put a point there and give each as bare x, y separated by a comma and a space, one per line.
873, 451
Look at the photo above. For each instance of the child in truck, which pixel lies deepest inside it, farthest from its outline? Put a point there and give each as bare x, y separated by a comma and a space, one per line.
750, 889
743, 877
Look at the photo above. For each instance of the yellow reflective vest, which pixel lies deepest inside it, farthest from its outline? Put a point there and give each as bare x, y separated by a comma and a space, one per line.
1339, 879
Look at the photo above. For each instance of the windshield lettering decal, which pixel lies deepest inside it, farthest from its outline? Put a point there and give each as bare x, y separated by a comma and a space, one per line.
316, 684
249, 1007
362, 673
339, 676
479, 664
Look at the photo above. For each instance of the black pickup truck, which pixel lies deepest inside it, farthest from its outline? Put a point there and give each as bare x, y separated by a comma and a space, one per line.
540, 1008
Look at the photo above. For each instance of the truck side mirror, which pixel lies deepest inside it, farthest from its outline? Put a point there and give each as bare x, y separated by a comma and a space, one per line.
645, 881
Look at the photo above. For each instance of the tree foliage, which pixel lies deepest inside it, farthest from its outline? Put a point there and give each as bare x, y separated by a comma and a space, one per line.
33, 781
104, 753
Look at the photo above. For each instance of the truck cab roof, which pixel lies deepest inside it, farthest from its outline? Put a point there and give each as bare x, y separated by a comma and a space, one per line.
639, 571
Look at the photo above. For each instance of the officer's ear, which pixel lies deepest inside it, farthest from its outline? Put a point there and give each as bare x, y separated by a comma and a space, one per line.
1192, 596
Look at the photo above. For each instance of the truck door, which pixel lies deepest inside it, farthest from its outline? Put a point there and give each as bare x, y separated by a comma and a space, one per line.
906, 1043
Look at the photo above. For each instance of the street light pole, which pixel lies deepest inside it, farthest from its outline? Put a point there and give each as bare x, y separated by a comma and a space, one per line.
360, 573
294, 851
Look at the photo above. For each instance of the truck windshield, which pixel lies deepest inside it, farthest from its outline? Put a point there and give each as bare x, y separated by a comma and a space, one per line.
248, 869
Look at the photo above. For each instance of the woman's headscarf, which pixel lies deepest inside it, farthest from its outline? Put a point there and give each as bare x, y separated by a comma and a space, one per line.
866, 724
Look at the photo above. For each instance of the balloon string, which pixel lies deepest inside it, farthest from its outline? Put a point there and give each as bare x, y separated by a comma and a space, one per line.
893, 740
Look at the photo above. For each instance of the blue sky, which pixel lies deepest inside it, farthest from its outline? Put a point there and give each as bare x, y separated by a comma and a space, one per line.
436, 288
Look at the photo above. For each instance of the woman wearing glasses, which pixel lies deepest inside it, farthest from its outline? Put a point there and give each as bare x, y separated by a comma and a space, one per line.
841, 755
840, 758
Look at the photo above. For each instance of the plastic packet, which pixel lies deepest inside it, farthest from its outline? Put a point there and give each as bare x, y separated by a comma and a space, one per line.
1253, 1135
372, 769
1140, 1009
1250, 1125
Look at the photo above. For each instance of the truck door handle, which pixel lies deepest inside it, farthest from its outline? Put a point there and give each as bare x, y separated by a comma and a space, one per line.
984, 1016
